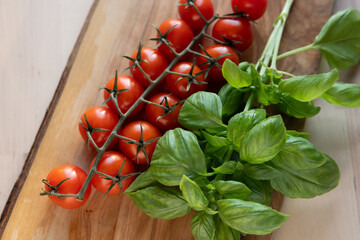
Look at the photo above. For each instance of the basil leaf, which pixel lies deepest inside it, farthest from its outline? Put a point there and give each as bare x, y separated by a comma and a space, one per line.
299, 153
227, 168
144, 180
298, 134
231, 99
223, 231
193, 194
203, 226
264, 141
158, 202
343, 94
218, 147
261, 191
234, 75
249, 217
177, 153
202, 110
339, 39
268, 94
307, 183
260, 171
308, 87
232, 189
295, 108
242, 123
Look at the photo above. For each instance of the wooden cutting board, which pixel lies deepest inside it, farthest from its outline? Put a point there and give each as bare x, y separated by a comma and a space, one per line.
114, 28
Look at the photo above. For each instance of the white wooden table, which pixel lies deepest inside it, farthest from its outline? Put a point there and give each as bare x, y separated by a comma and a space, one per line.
36, 39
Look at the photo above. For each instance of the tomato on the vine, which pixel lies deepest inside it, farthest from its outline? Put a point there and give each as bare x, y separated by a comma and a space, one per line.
98, 118
254, 8
238, 30
153, 64
76, 178
191, 16
132, 91
154, 114
133, 131
215, 73
179, 37
180, 86
110, 164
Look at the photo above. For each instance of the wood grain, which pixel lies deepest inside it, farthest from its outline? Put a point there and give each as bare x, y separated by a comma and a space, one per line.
114, 30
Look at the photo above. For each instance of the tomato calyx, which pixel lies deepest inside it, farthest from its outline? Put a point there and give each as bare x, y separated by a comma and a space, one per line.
137, 60
113, 94
190, 76
211, 61
162, 39
238, 14
117, 179
89, 131
166, 107
140, 144
53, 189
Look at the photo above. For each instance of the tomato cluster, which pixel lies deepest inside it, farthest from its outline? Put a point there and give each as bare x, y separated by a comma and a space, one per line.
154, 111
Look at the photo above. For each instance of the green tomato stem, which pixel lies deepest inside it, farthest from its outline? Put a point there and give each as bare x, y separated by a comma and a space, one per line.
298, 50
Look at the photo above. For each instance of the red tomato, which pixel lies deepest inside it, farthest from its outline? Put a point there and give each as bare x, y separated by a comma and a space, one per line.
179, 37
127, 98
179, 88
191, 17
99, 117
215, 73
133, 131
110, 164
254, 8
170, 120
154, 65
234, 29
73, 185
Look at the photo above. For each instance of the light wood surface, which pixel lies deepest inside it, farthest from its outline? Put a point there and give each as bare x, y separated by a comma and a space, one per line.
29, 63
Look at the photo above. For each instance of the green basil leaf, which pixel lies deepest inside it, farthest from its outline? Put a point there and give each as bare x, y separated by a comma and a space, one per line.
249, 217
295, 108
218, 147
307, 183
232, 100
202, 110
144, 180
227, 168
242, 123
298, 134
299, 153
308, 87
339, 39
343, 94
260, 171
232, 189
193, 194
223, 231
177, 153
216, 141
261, 190
268, 94
157, 202
234, 75
203, 226
264, 141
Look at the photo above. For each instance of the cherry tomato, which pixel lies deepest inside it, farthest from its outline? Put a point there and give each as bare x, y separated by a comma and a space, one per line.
215, 73
179, 88
153, 65
234, 29
73, 185
127, 98
133, 131
110, 164
153, 113
179, 37
254, 8
99, 117
191, 17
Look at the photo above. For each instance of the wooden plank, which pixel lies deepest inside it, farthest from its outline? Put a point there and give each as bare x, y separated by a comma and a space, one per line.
114, 29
